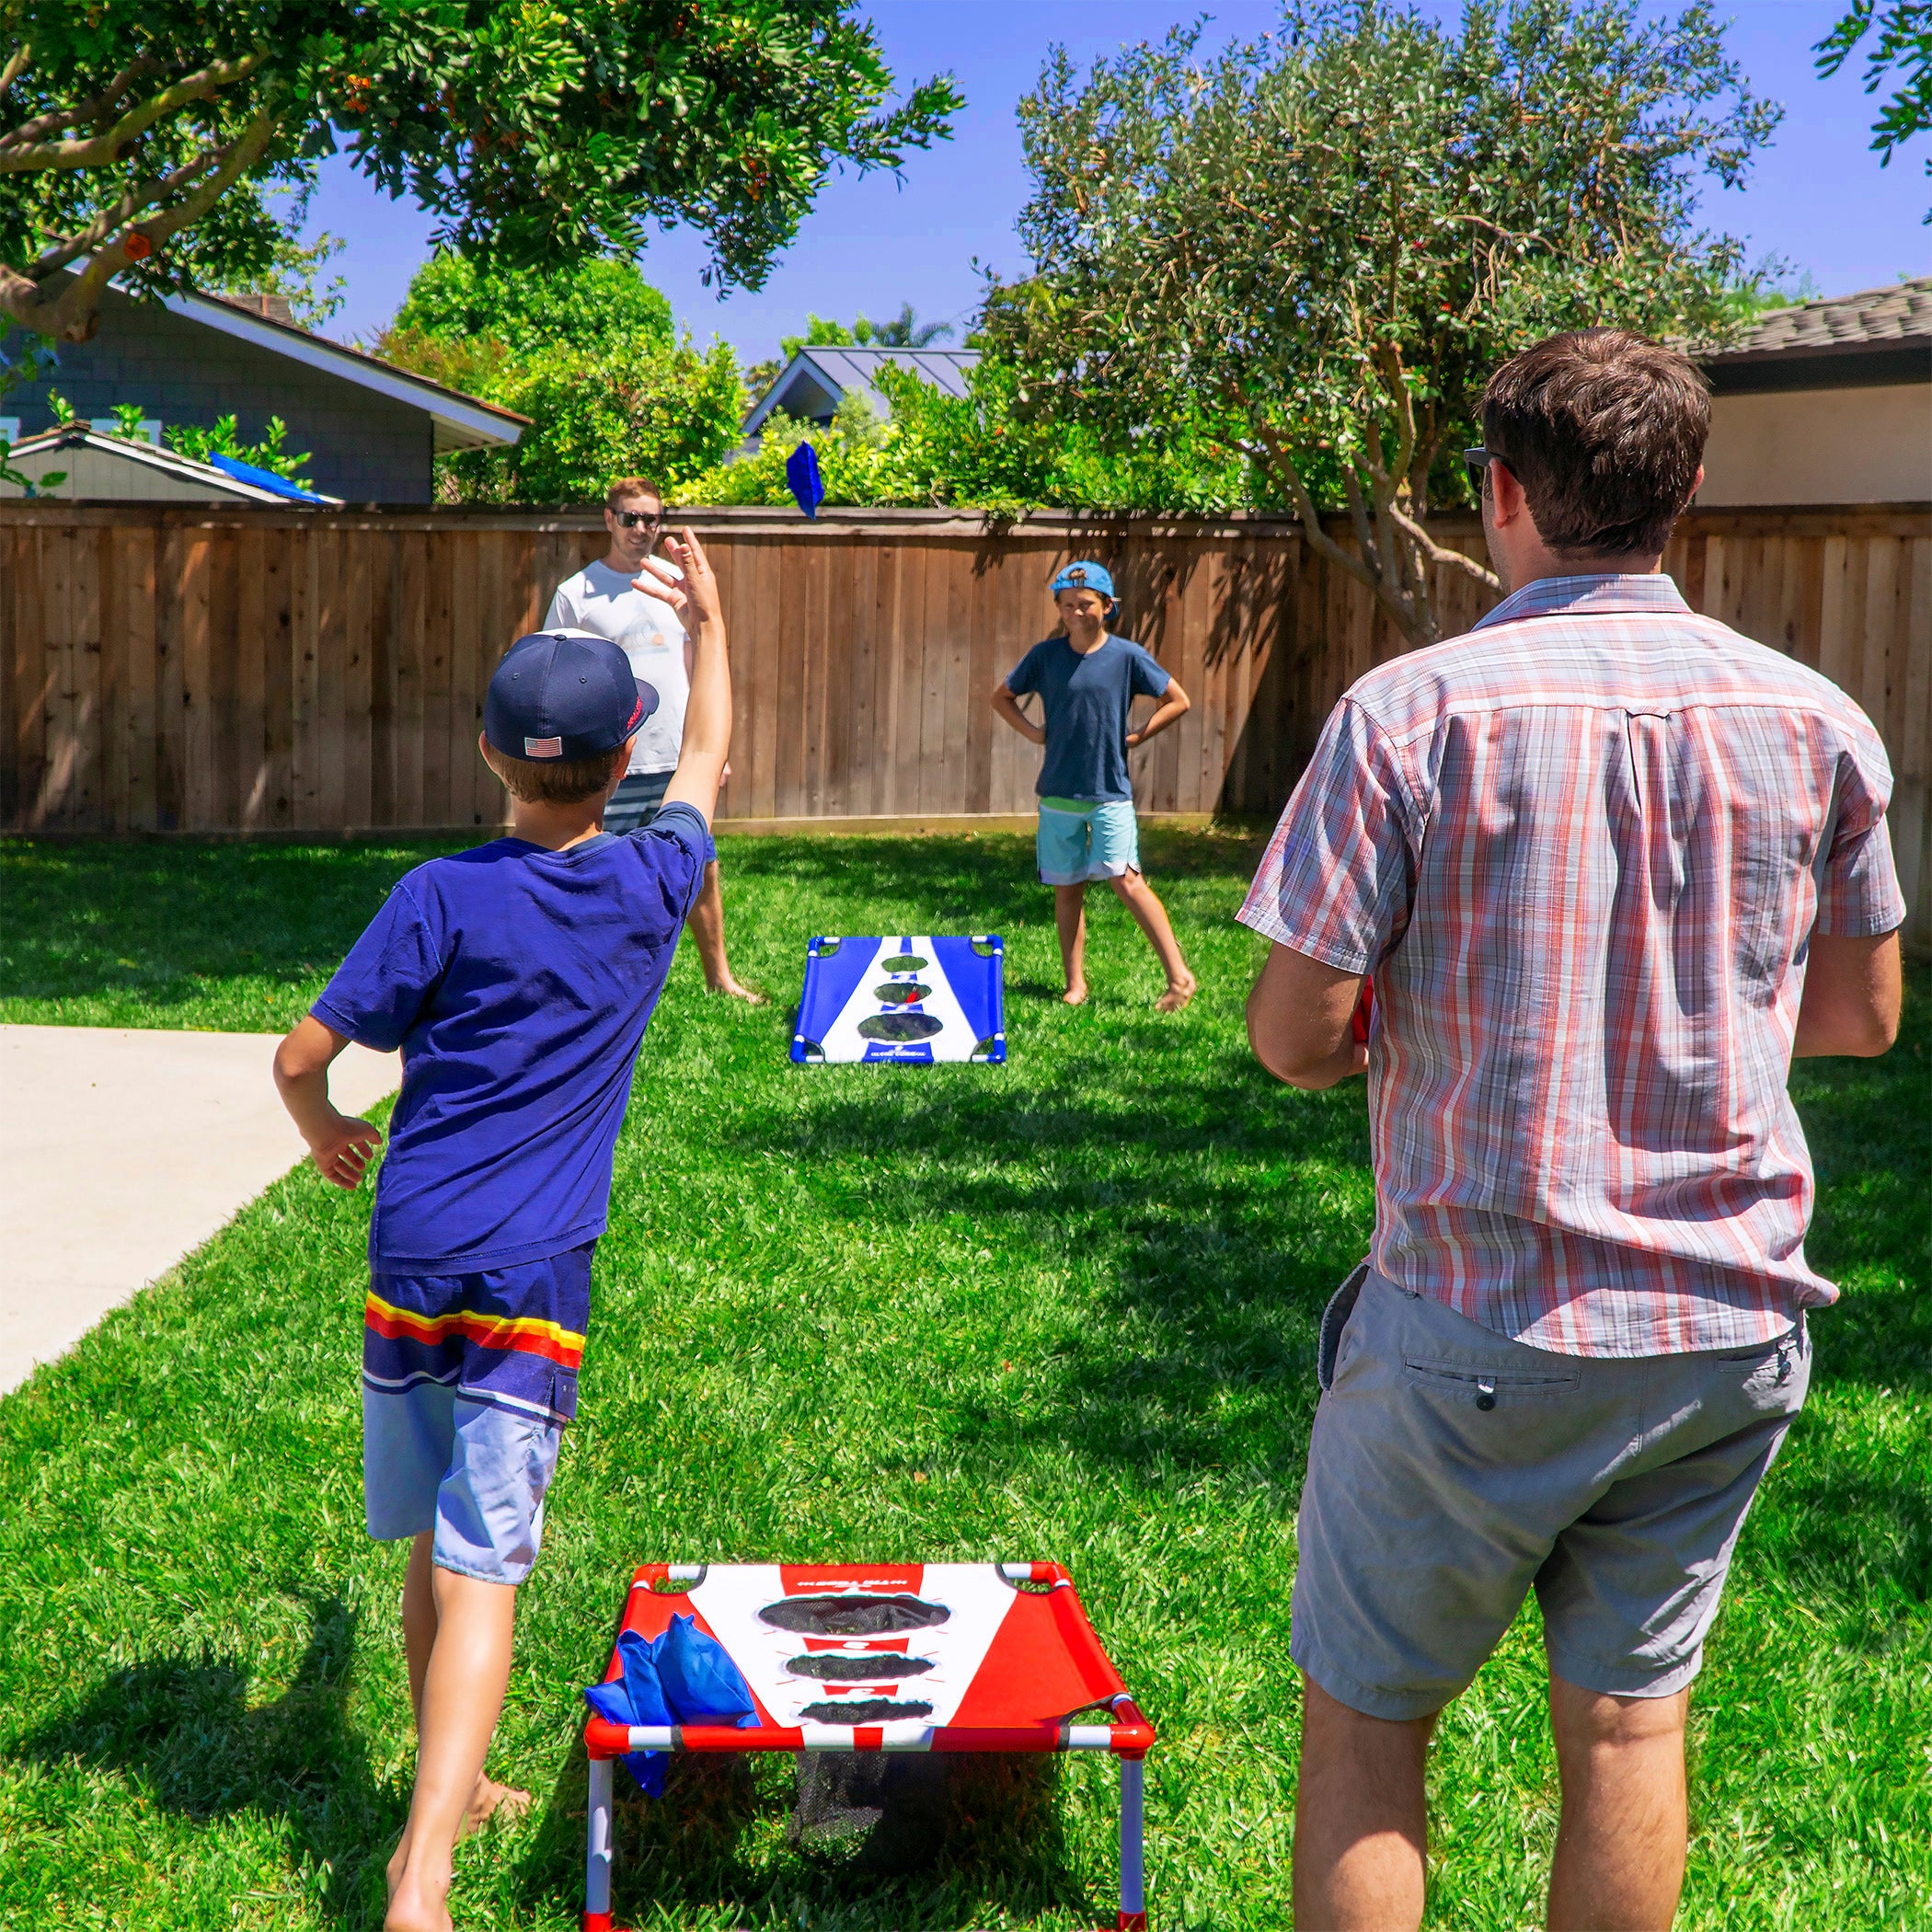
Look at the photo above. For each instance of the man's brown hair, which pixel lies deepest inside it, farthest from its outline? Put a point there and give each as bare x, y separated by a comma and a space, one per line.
554, 781
631, 487
1604, 430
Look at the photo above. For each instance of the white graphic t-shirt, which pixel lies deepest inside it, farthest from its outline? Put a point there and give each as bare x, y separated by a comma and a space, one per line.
647, 630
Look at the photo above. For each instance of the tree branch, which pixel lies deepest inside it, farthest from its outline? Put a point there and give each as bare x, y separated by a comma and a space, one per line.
1357, 568
1439, 554
72, 314
92, 109
144, 195
16, 66
101, 150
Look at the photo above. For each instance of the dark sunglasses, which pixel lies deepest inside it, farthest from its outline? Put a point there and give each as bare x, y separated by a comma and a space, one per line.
641, 518
1479, 459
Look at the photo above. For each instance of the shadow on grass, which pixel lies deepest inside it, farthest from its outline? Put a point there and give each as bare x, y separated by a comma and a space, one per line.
183, 1728
987, 1838
1212, 1213
152, 918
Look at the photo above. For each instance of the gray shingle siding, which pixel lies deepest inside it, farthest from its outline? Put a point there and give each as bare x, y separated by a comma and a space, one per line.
365, 448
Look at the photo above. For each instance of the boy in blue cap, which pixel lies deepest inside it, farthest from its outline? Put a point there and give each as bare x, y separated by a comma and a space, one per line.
1087, 680
517, 978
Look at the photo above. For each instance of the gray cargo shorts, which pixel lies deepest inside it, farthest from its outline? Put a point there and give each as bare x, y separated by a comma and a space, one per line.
1452, 1471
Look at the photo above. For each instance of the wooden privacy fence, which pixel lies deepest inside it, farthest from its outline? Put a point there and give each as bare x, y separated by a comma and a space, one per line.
260, 671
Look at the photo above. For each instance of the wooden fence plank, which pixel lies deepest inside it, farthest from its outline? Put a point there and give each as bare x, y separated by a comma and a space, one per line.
438, 629
174, 668
198, 774
763, 620
305, 748
409, 620
134, 554
251, 678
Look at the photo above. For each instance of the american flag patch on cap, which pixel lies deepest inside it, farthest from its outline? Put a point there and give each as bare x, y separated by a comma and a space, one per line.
543, 747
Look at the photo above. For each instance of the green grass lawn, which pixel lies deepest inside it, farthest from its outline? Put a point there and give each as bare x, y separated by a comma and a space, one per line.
1065, 1308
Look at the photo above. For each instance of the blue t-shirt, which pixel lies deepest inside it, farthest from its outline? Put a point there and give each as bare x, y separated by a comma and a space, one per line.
517, 982
1086, 700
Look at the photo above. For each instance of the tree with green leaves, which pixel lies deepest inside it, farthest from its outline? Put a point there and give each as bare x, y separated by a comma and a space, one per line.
1901, 43
1317, 244
588, 351
978, 451
145, 142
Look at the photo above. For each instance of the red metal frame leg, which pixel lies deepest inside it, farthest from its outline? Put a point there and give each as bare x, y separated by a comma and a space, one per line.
597, 1850
1134, 1878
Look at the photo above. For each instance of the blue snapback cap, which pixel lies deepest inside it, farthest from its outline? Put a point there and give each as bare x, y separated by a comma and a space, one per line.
1085, 577
564, 693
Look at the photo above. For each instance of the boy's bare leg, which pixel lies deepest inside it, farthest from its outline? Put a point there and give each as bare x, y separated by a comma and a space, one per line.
1358, 1819
1070, 917
419, 1620
1620, 1844
463, 1685
1151, 915
707, 927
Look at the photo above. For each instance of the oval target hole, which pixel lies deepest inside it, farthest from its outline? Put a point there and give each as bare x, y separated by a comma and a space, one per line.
899, 1026
853, 1616
897, 992
874, 1667
901, 962
864, 1710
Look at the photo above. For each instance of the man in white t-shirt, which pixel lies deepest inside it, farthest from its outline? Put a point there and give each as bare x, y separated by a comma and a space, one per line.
603, 598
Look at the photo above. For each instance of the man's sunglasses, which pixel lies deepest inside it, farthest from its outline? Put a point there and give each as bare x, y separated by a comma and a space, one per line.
1479, 459
641, 518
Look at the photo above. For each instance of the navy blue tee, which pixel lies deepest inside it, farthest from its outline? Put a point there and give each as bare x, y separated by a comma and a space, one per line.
1086, 701
517, 982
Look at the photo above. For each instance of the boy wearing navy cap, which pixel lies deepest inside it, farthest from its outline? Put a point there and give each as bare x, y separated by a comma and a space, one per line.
1087, 680
517, 978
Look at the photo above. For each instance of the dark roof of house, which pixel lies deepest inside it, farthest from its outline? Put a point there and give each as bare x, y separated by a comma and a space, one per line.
831, 372
461, 421
1876, 336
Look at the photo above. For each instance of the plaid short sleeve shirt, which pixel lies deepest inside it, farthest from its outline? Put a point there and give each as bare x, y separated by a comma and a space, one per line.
1582, 850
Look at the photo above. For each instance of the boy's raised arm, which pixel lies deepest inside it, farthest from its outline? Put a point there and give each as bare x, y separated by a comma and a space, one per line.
708, 713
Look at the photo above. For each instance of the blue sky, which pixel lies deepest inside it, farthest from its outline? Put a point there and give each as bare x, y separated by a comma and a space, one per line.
1817, 197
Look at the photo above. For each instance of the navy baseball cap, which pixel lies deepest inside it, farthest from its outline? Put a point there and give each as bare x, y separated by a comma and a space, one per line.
1085, 577
564, 693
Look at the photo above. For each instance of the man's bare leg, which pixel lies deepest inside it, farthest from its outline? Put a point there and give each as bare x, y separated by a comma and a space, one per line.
707, 927
419, 1627
1070, 918
1359, 1823
1151, 915
1621, 1843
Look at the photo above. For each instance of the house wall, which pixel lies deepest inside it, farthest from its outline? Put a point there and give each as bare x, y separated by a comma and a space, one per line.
366, 449
1792, 446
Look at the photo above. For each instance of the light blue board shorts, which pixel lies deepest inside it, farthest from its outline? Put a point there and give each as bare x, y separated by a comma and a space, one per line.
476, 1475
1086, 838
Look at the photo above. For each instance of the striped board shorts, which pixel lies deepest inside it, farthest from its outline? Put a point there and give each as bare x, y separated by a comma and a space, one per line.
467, 1383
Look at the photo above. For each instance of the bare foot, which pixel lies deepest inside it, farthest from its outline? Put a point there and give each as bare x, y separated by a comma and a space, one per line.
735, 991
1075, 995
1176, 996
414, 1912
487, 1800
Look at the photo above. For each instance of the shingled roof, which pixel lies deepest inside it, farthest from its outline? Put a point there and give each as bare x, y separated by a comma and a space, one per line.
1876, 336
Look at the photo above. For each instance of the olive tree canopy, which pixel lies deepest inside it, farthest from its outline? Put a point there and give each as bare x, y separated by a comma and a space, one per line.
1327, 238
141, 139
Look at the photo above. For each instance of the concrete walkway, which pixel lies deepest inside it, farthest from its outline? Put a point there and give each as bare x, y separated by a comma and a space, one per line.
123, 1150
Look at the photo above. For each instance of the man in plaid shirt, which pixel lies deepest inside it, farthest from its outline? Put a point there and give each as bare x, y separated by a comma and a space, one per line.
1610, 866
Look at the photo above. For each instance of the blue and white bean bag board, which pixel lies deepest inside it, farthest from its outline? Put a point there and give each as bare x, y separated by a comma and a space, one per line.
909, 1000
